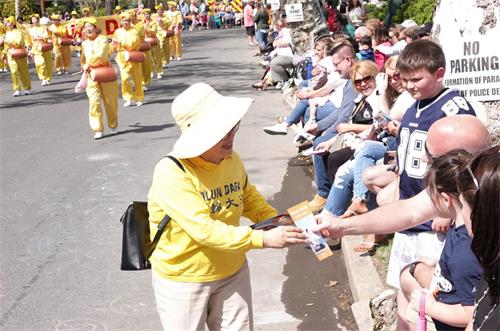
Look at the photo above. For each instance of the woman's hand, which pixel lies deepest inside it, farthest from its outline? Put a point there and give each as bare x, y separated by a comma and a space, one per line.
393, 128
343, 127
323, 148
283, 236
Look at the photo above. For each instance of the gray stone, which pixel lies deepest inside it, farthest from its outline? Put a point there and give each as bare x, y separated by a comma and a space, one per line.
383, 308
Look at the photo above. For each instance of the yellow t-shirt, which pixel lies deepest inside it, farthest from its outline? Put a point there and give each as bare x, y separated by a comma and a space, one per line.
203, 241
97, 51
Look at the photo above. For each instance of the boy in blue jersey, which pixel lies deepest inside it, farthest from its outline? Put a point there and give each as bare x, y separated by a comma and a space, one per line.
422, 68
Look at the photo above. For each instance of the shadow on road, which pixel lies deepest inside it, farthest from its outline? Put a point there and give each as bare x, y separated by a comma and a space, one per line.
310, 293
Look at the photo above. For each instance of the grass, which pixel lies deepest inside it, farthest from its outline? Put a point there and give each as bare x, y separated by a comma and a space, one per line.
381, 257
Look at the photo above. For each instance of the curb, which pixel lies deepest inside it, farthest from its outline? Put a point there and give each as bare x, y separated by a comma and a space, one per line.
364, 281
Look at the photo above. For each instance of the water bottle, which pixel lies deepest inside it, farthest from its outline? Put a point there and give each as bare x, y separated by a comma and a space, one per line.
308, 67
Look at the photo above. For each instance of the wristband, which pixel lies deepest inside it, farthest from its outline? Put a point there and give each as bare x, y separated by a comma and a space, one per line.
412, 267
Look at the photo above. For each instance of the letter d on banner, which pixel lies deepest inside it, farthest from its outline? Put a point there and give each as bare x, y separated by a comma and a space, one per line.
111, 25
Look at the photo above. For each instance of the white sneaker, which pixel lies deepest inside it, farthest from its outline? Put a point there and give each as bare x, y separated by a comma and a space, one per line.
98, 135
17, 93
127, 103
178, 59
47, 82
277, 129
159, 76
279, 85
144, 88
44, 83
171, 58
27, 92
114, 131
139, 103
308, 152
59, 73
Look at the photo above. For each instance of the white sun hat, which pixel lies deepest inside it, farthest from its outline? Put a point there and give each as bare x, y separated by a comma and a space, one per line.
45, 21
205, 117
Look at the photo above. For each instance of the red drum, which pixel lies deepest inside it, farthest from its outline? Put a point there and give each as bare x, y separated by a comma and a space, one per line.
144, 46
152, 41
134, 56
65, 41
18, 53
170, 33
45, 47
1, 42
103, 74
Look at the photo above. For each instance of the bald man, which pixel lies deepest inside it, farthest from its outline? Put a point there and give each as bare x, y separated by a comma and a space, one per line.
449, 133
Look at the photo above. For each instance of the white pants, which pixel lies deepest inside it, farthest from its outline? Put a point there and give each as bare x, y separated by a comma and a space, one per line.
408, 248
225, 304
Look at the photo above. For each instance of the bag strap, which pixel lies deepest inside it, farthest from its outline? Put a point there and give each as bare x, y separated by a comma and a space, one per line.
166, 218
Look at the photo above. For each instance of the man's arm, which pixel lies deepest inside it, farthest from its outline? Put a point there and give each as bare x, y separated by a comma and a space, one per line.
397, 216
321, 92
344, 111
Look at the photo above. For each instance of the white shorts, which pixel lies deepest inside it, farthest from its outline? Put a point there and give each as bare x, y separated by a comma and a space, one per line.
408, 248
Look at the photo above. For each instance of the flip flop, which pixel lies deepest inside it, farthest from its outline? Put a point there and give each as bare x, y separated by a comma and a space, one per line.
365, 247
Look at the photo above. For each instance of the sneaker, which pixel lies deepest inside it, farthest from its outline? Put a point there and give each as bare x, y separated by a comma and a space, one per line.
277, 129
47, 82
127, 103
139, 103
144, 88
17, 93
59, 73
264, 63
171, 58
308, 152
44, 82
159, 76
279, 85
317, 203
27, 92
114, 131
98, 135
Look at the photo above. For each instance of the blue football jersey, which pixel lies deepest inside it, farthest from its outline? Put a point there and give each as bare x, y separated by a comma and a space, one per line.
412, 136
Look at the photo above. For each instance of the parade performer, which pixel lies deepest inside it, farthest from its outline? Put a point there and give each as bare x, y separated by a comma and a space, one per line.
151, 30
97, 52
62, 42
175, 17
16, 39
117, 10
164, 23
3, 57
41, 48
147, 64
125, 40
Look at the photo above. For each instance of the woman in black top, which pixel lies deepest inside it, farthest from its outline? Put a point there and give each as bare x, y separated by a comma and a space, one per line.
261, 19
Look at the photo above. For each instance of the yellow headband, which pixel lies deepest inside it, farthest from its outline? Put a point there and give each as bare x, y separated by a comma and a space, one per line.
86, 10
90, 20
172, 3
160, 6
55, 17
11, 20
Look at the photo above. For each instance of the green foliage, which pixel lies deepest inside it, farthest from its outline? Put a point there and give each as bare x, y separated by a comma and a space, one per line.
27, 7
420, 11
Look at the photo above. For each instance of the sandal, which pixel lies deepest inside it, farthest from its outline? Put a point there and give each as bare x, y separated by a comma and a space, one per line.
366, 246
257, 85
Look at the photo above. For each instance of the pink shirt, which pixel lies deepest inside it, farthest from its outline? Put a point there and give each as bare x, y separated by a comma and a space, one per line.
248, 16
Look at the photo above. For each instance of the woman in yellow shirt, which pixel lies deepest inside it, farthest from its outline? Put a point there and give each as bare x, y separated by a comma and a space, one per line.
62, 52
41, 48
15, 39
151, 30
164, 25
200, 272
97, 52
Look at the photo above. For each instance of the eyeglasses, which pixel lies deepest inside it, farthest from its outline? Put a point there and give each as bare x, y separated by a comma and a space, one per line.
395, 77
339, 62
366, 80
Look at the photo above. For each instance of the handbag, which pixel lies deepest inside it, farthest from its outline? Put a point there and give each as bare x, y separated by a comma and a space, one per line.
136, 244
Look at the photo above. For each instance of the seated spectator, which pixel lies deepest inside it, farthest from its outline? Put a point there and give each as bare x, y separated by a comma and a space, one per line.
451, 284
478, 186
381, 37
362, 32
398, 43
306, 92
365, 49
372, 24
284, 54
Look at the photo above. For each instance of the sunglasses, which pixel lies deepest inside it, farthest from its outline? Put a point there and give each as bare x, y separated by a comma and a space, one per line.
366, 80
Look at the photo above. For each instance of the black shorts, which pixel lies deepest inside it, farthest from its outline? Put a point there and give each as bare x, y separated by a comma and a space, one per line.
250, 30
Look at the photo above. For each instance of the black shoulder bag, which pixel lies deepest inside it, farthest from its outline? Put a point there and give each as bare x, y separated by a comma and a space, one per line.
136, 244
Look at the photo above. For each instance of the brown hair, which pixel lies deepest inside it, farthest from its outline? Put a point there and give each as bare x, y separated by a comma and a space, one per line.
419, 54
390, 93
479, 185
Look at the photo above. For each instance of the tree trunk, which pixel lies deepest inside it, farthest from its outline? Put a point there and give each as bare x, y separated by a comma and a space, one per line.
314, 24
17, 8
108, 6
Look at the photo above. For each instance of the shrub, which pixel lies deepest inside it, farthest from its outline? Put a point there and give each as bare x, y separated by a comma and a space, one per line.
420, 11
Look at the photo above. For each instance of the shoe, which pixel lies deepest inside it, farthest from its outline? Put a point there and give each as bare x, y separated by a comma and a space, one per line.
59, 73
114, 131
279, 85
308, 152
144, 88
317, 203
47, 82
171, 58
178, 59
127, 103
303, 139
139, 103
264, 63
27, 92
16, 93
277, 129
98, 135
369, 243
44, 83
159, 76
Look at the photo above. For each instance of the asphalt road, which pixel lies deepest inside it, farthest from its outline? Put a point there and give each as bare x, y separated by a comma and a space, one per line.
62, 195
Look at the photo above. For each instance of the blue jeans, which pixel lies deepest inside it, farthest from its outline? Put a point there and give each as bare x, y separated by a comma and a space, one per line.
301, 111
320, 161
349, 179
261, 36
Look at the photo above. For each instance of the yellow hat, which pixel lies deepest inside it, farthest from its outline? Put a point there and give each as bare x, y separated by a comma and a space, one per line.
74, 13
55, 17
118, 8
125, 15
35, 15
172, 3
146, 10
90, 20
160, 6
11, 20
86, 10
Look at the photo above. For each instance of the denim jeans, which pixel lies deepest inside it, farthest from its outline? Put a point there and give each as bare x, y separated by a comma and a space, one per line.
349, 179
323, 183
261, 36
301, 111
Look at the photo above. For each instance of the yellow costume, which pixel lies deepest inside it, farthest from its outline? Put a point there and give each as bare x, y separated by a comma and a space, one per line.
3, 57
40, 34
62, 54
97, 55
15, 38
151, 29
128, 40
147, 64
164, 24
175, 18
